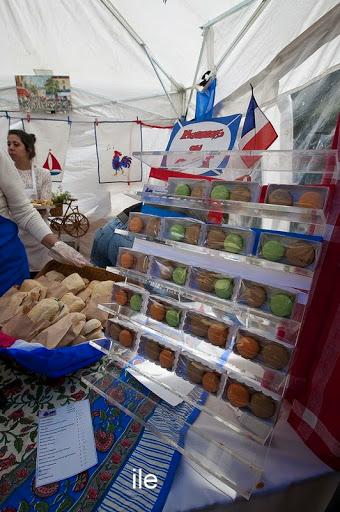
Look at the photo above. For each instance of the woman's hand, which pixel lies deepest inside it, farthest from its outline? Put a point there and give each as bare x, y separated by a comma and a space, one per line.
63, 252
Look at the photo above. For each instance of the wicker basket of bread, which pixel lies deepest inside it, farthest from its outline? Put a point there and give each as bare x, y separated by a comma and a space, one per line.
59, 308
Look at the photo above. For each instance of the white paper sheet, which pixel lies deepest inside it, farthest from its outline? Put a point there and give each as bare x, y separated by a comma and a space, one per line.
66, 443
163, 376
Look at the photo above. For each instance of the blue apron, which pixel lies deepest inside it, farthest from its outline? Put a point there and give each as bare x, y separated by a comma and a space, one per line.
13, 260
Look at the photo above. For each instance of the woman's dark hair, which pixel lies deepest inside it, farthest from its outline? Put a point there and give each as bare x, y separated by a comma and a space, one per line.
28, 140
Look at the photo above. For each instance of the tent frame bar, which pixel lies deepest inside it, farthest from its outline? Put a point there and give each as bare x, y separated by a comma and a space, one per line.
205, 34
231, 11
243, 31
161, 82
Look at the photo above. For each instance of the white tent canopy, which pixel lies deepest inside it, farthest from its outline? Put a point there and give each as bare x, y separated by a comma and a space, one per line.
133, 58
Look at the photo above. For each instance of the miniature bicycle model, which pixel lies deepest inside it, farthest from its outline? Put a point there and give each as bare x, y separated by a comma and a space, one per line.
72, 222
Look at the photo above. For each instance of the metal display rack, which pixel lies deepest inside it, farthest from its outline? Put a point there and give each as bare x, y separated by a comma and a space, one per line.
234, 457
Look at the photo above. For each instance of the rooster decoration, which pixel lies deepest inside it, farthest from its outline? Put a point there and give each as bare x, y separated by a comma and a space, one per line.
120, 164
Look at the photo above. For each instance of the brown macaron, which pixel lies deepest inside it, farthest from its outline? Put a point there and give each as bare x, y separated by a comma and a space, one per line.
114, 331
157, 311
247, 347
206, 282
254, 296
211, 382
152, 350
275, 355
197, 191
136, 224
310, 199
127, 260
192, 234
166, 269
300, 254
199, 326
121, 297
241, 193
217, 334
142, 263
238, 395
280, 196
166, 359
126, 338
215, 239
152, 227
262, 406
195, 372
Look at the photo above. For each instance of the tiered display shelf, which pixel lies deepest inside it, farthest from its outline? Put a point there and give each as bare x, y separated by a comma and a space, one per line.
233, 457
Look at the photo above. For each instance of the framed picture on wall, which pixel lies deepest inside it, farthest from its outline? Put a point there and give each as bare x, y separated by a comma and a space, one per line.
44, 93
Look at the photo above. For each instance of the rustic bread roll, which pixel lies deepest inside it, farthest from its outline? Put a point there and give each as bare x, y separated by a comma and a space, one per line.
36, 294
74, 303
73, 283
11, 305
78, 321
102, 293
62, 332
53, 275
46, 309
91, 326
29, 284
85, 294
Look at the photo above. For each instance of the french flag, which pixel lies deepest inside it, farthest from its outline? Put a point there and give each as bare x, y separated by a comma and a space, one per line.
257, 133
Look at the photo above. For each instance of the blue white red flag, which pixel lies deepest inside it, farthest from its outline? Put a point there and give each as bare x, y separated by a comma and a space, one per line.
258, 132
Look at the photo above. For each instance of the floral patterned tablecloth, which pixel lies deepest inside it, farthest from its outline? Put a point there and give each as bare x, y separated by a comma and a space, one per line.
121, 442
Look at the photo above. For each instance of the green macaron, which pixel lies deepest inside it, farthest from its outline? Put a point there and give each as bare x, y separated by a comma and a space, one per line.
223, 288
220, 192
182, 189
177, 232
172, 317
179, 275
136, 302
233, 243
281, 304
273, 250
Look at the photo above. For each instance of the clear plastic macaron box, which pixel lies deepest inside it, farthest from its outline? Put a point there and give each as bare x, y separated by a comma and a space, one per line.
143, 224
133, 260
189, 231
217, 190
229, 239
217, 285
289, 250
298, 196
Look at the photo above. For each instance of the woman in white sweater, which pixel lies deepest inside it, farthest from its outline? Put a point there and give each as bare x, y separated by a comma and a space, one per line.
38, 185
16, 210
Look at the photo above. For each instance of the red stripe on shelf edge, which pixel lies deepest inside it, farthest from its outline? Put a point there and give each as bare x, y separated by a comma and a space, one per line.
165, 174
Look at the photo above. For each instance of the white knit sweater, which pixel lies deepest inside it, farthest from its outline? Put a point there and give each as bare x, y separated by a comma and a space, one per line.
14, 204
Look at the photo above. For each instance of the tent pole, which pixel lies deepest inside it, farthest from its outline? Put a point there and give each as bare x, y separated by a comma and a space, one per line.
242, 32
221, 17
205, 33
116, 14
164, 88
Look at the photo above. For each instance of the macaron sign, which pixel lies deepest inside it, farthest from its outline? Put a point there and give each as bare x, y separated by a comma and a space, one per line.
195, 136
